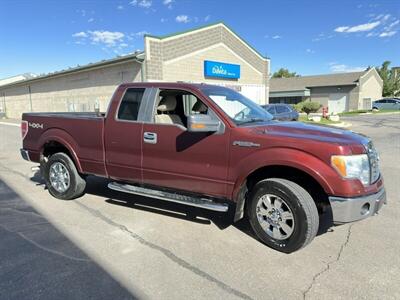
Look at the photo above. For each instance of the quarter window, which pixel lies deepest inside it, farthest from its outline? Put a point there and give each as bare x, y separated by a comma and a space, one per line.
130, 103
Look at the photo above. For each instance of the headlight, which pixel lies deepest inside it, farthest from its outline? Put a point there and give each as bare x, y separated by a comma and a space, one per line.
352, 166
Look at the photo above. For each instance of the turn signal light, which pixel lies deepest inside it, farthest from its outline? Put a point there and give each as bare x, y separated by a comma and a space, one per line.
340, 165
198, 126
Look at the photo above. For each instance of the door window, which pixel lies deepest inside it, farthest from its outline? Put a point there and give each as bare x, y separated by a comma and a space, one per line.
175, 106
130, 104
280, 109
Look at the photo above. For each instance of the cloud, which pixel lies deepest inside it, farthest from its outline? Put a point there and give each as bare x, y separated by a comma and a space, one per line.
357, 28
82, 12
163, 20
342, 68
168, 3
387, 33
207, 18
182, 19
322, 37
310, 51
142, 3
108, 38
90, 20
120, 7
80, 34
275, 37
392, 25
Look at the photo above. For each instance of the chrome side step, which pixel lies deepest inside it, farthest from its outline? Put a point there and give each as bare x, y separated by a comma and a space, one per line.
162, 195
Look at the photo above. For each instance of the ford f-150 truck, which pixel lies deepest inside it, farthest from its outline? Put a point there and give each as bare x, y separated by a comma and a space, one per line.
211, 147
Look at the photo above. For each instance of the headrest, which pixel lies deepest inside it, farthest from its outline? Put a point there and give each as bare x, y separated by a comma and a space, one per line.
167, 103
199, 107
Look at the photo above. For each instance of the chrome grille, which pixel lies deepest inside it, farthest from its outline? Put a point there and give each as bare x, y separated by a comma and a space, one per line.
373, 162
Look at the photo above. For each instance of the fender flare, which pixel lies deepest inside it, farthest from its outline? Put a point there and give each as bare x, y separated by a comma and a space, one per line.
287, 157
65, 139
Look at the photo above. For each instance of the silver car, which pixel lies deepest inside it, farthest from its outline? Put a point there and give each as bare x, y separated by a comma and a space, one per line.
389, 103
282, 112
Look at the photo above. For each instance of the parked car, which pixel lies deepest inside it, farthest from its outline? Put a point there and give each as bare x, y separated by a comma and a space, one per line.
282, 112
389, 103
182, 143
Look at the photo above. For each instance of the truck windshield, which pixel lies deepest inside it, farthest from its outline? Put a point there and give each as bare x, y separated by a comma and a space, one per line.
240, 109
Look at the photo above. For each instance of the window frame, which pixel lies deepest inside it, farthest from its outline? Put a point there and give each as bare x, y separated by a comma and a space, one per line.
142, 105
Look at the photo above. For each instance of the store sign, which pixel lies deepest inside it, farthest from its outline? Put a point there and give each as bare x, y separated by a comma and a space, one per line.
221, 70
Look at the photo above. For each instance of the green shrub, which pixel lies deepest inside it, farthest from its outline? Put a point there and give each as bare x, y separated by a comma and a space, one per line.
299, 106
310, 107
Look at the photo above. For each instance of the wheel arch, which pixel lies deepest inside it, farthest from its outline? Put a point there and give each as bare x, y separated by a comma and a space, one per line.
56, 140
314, 183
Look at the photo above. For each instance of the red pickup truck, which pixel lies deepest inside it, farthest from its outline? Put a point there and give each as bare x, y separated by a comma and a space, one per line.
211, 147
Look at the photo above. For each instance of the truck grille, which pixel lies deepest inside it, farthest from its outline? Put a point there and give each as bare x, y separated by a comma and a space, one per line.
373, 162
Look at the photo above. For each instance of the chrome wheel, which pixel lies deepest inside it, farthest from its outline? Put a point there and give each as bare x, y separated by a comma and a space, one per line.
275, 216
59, 177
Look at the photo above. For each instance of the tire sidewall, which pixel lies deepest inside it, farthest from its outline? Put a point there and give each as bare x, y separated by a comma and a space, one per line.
298, 237
69, 165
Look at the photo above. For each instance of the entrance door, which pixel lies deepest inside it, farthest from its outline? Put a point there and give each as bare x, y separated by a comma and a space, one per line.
176, 158
337, 103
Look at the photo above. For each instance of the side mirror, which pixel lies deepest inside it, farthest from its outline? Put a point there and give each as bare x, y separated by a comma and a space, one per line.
202, 123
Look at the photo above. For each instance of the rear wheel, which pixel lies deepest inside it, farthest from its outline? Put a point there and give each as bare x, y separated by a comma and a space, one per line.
282, 214
62, 178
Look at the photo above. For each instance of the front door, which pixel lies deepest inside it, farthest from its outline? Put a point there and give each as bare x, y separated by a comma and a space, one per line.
178, 159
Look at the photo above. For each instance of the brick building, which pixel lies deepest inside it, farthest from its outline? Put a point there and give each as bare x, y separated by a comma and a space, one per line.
212, 54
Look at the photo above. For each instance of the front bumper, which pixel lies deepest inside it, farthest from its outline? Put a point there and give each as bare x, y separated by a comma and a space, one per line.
346, 210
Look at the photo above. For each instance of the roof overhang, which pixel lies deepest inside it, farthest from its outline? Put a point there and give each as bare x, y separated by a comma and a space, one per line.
300, 93
135, 57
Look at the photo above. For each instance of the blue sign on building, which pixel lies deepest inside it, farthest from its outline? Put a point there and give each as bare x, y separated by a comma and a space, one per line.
221, 70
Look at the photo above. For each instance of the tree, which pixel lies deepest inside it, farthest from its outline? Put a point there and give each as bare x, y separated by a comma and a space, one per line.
310, 107
391, 79
284, 73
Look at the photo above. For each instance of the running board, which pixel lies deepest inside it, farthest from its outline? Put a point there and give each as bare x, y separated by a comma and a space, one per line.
162, 195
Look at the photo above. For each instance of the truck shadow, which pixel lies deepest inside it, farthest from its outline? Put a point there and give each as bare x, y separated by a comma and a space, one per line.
98, 186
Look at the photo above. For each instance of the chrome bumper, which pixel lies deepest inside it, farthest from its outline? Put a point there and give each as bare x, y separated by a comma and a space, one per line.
346, 210
25, 154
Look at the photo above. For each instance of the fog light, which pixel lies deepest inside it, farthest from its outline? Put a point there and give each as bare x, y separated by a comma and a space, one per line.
365, 209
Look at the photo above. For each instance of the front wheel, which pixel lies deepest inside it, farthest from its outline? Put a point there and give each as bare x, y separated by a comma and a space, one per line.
62, 178
282, 214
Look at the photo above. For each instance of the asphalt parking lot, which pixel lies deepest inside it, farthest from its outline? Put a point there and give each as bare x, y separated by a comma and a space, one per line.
142, 248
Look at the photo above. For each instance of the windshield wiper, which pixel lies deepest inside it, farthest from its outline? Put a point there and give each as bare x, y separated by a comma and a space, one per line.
252, 120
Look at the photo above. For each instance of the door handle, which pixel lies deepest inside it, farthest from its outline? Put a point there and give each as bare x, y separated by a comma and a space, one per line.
150, 137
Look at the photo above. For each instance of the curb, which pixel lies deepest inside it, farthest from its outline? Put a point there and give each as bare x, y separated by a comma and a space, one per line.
342, 125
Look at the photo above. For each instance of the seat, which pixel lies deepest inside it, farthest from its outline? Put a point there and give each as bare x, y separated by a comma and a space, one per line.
199, 107
167, 105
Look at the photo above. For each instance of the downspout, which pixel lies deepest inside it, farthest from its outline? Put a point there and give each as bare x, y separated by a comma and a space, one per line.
30, 97
142, 69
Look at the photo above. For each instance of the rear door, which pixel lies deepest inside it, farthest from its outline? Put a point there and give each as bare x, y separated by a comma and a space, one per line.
176, 158
123, 135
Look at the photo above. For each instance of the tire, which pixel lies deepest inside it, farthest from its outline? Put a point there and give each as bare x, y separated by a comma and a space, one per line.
58, 186
290, 207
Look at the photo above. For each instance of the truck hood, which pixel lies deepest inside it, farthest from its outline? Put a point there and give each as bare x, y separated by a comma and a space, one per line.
305, 131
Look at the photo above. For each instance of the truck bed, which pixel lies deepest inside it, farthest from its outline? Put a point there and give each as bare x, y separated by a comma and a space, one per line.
81, 131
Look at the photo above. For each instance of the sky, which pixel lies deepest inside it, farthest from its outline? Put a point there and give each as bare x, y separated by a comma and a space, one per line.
307, 37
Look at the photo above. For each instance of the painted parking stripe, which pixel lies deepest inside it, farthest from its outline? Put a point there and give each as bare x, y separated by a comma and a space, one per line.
10, 124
